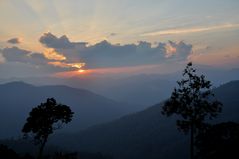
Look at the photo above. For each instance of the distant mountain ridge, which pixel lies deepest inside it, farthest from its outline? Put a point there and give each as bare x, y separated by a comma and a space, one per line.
18, 98
148, 134
138, 89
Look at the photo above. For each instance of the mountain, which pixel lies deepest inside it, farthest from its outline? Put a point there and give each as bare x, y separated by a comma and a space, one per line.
148, 89
18, 98
141, 135
228, 93
140, 90
147, 134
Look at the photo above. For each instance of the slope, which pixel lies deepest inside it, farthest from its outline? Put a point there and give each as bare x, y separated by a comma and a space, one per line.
148, 134
18, 98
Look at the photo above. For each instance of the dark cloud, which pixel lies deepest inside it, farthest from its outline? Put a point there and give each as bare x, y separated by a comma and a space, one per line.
14, 41
182, 50
51, 41
14, 54
39, 60
105, 54
113, 34
29, 63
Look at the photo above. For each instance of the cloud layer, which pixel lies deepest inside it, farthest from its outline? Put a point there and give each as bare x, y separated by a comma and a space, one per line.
63, 55
105, 54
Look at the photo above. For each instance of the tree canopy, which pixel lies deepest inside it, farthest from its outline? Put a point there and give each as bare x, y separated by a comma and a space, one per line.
44, 119
193, 100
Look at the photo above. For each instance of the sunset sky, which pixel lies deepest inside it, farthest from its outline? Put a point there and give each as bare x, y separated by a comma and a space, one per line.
71, 37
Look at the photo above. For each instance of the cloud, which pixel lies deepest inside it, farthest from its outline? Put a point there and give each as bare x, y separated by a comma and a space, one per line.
113, 34
51, 41
31, 63
52, 54
51, 60
105, 54
67, 65
14, 41
189, 30
15, 54
179, 51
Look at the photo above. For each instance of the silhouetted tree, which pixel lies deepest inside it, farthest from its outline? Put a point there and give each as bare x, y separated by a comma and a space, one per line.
44, 119
7, 153
27, 156
193, 101
221, 141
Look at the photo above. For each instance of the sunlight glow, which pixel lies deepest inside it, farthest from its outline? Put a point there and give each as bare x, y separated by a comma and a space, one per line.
52, 54
81, 71
67, 65
111, 71
170, 50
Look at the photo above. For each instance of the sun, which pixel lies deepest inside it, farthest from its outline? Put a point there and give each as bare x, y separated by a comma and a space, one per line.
81, 71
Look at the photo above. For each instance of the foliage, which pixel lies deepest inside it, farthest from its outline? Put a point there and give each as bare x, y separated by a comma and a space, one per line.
7, 153
46, 118
193, 102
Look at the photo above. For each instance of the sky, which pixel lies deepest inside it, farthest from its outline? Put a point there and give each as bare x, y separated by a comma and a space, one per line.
66, 38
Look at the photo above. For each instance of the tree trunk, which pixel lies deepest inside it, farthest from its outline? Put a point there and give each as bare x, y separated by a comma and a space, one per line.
41, 148
192, 142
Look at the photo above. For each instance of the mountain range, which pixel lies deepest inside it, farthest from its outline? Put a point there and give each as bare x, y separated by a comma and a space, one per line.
144, 134
18, 98
147, 134
141, 90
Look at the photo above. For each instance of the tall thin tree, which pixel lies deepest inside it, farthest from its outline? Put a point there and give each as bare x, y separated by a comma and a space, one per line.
193, 100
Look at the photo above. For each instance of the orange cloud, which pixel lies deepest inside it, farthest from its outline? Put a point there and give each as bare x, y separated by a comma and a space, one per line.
52, 54
170, 50
67, 65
